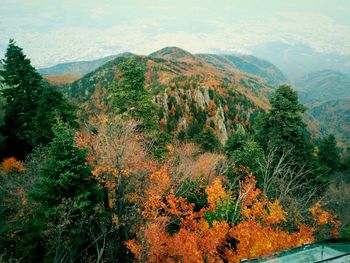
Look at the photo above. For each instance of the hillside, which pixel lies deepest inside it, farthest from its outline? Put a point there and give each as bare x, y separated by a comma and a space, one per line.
78, 68
248, 64
334, 117
66, 72
187, 88
322, 86
327, 94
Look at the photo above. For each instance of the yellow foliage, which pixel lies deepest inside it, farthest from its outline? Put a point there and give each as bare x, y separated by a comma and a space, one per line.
215, 193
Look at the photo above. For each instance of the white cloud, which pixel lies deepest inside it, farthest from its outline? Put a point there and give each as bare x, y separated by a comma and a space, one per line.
144, 36
98, 13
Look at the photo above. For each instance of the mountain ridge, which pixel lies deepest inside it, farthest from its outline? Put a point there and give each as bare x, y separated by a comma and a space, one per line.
247, 64
188, 91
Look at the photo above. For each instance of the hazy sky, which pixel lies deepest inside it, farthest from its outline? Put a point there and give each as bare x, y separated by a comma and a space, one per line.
54, 31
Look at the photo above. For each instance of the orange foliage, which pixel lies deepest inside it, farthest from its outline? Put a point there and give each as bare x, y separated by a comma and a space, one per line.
211, 108
190, 163
322, 217
215, 193
12, 164
226, 108
196, 240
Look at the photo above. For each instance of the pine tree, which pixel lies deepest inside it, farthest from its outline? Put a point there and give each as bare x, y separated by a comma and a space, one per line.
66, 195
283, 129
129, 94
235, 142
22, 96
208, 140
328, 152
50, 104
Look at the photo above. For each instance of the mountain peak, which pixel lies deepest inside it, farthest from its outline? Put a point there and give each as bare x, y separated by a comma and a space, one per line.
173, 53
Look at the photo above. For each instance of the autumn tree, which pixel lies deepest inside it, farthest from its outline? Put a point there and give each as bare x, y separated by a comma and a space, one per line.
120, 165
209, 234
12, 196
19, 236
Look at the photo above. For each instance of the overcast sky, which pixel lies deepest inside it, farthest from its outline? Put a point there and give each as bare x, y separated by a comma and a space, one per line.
55, 31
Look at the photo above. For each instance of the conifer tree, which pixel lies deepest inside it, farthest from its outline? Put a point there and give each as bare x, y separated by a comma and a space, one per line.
282, 129
328, 152
50, 104
66, 194
24, 86
129, 94
208, 140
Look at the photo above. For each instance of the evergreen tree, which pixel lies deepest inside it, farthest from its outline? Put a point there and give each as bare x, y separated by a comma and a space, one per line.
22, 97
249, 155
66, 194
129, 94
282, 129
50, 104
328, 152
208, 140
235, 142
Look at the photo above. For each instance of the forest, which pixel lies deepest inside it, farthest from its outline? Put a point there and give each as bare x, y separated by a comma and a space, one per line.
117, 177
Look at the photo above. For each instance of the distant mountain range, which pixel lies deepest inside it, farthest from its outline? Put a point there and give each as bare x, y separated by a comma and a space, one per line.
327, 94
296, 60
78, 68
321, 86
247, 64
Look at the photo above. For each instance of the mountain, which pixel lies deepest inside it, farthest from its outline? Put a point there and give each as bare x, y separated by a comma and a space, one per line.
190, 92
327, 94
248, 64
295, 60
68, 72
174, 54
334, 117
322, 86
78, 68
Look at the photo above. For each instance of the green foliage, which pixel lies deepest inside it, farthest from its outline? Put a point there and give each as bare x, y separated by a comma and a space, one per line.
249, 155
208, 140
328, 152
130, 96
235, 142
282, 129
65, 193
225, 211
22, 95
158, 144
65, 174
346, 232
50, 104
194, 192
30, 106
